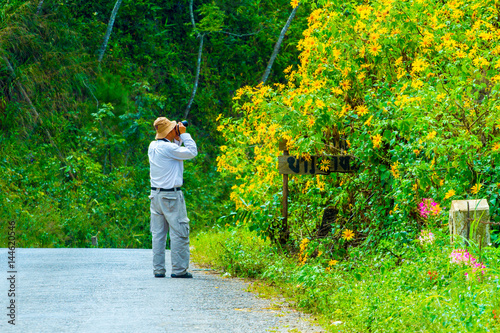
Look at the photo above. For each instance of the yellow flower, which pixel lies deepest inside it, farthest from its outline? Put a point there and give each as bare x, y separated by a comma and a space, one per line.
377, 139
419, 65
431, 135
361, 76
395, 170
481, 62
362, 52
337, 91
320, 104
294, 3
417, 84
394, 210
449, 194
344, 110
310, 121
336, 53
440, 97
496, 146
396, 32
361, 110
218, 117
303, 243
398, 61
325, 165
435, 210
347, 234
364, 11
333, 262
416, 151
486, 36
374, 49
476, 188
368, 122
374, 36
345, 85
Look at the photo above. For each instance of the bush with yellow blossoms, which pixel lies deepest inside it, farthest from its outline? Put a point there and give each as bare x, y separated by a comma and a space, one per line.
413, 87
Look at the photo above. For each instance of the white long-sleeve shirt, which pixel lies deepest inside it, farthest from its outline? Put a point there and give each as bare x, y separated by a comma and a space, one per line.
166, 161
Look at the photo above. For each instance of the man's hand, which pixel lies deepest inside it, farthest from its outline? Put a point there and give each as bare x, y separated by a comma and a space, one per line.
182, 128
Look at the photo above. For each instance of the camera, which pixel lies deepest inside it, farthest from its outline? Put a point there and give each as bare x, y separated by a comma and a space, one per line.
177, 131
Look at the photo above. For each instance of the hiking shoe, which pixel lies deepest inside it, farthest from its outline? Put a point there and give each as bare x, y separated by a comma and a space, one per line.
183, 276
159, 275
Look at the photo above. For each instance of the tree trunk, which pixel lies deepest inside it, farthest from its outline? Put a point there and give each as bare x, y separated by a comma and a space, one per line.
191, 14
198, 62
39, 8
278, 45
197, 76
108, 31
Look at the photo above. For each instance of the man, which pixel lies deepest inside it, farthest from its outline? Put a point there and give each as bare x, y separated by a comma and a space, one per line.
168, 208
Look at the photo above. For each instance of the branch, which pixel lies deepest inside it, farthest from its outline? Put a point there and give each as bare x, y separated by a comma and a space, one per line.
197, 76
478, 117
108, 31
416, 26
278, 45
463, 120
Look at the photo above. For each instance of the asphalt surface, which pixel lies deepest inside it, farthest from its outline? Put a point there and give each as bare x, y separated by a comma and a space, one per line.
113, 290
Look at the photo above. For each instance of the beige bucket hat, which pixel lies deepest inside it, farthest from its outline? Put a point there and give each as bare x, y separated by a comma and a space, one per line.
163, 126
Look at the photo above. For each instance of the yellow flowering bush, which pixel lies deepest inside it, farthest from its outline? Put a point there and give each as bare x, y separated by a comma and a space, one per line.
412, 86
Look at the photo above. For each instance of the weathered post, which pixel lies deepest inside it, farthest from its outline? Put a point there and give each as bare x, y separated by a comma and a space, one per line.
284, 208
470, 219
94, 241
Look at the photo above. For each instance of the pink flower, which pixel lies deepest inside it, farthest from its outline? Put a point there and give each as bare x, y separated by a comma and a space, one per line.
463, 257
428, 207
426, 237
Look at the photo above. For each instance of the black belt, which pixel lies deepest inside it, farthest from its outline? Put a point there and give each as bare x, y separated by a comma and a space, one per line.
166, 189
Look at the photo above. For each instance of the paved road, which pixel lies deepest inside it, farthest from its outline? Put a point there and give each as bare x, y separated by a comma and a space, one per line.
113, 290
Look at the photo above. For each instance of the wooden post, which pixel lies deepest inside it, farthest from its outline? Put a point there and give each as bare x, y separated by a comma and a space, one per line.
470, 220
285, 195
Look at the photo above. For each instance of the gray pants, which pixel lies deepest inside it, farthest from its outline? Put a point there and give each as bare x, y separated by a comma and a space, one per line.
168, 213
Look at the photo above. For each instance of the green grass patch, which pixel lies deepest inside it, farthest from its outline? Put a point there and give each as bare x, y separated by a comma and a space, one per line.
417, 289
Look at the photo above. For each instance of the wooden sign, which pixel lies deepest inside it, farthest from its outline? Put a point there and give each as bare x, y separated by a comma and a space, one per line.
290, 165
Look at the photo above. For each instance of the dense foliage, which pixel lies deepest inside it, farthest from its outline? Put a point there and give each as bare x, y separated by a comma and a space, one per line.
74, 132
412, 86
